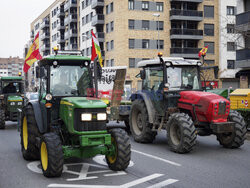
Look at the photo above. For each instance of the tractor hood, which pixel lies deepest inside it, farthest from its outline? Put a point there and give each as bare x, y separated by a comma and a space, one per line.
14, 98
83, 102
208, 107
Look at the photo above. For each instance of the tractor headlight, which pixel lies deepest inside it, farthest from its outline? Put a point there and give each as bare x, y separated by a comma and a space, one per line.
48, 97
101, 116
19, 103
86, 117
12, 103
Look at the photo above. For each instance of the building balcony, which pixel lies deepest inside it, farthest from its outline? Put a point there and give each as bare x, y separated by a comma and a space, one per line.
97, 3
192, 15
72, 46
100, 36
98, 20
45, 36
193, 1
243, 58
61, 40
60, 27
194, 34
69, 4
45, 47
243, 21
61, 13
70, 33
44, 24
70, 18
184, 52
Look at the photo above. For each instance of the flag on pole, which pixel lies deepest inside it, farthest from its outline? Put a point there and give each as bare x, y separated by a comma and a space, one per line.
203, 51
96, 50
33, 54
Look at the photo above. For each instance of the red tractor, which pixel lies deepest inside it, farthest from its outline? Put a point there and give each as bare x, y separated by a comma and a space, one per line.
172, 98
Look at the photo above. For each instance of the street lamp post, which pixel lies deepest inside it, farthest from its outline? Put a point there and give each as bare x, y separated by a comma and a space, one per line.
158, 41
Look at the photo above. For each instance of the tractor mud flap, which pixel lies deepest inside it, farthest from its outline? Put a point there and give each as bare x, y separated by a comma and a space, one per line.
223, 127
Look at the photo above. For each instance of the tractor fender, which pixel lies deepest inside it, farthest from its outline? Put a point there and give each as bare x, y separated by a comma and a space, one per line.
40, 120
149, 105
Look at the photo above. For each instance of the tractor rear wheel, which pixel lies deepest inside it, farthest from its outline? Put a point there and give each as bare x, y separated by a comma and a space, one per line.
29, 132
139, 125
51, 154
236, 138
121, 144
181, 133
2, 119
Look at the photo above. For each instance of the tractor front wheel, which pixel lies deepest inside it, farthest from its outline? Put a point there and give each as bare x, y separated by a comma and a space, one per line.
139, 125
236, 138
2, 119
181, 133
29, 132
51, 155
120, 158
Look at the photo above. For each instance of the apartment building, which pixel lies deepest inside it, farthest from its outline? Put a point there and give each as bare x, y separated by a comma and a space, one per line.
132, 30
243, 52
11, 66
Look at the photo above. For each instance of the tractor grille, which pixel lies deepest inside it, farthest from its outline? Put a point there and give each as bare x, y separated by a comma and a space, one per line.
93, 125
222, 108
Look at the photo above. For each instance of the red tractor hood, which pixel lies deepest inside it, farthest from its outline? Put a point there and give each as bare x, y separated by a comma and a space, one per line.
208, 107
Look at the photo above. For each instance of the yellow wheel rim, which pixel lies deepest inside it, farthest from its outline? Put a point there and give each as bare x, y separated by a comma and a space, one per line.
44, 156
25, 133
112, 158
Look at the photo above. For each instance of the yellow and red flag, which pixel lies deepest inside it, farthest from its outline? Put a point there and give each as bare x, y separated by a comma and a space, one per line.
33, 54
203, 51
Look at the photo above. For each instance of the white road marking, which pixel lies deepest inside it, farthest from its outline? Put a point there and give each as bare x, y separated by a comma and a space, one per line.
126, 185
157, 158
118, 173
100, 159
163, 183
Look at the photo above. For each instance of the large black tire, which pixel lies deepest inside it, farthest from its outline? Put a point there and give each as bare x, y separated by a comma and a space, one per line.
2, 119
181, 133
29, 132
120, 141
140, 128
51, 155
236, 138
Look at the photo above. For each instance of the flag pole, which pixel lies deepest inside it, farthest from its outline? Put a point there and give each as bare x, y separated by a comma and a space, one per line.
96, 77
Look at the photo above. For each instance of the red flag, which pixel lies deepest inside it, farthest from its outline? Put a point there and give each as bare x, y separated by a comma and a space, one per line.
33, 54
96, 50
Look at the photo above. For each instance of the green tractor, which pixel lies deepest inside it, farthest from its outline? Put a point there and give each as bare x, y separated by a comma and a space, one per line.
11, 98
69, 120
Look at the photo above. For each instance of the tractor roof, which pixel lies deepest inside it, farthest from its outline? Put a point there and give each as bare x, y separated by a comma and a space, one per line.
176, 61
62, 59
7, 78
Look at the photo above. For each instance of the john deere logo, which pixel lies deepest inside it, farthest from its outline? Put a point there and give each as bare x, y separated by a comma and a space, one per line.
94, 116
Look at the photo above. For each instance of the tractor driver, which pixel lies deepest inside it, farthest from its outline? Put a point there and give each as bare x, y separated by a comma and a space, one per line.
62, 88
10, 88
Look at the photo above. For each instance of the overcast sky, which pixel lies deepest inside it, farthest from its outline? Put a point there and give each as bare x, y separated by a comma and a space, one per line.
15, 19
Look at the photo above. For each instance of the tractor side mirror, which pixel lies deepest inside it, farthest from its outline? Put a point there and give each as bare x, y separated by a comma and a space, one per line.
40, 72
142, 74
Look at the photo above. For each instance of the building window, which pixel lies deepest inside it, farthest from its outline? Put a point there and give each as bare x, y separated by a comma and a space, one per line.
83, 5
230, 64
145, 43
209, 29
112, 26
210, 45
159, 6
230, 10
111, 7
231, 46
145, 24
161, 25
107, 28
131, 4
87, 18
145, 5
82, 21
107, 46
112, 63
161, 44
131, 43
131, 62
131, 24
111, 45
230, 28
208, 11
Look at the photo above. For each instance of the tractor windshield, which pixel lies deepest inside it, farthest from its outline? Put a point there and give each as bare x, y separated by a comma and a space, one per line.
11, 87
184, 77
70, 81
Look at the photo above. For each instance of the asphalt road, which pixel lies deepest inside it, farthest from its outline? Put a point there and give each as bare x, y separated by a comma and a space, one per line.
153, 165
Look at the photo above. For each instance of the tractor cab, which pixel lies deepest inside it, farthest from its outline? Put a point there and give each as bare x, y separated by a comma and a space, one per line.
11, 98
